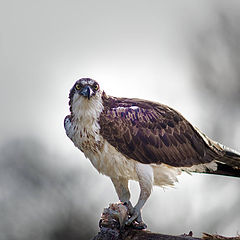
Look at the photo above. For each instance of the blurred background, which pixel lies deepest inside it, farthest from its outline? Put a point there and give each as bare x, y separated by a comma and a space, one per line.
181, 53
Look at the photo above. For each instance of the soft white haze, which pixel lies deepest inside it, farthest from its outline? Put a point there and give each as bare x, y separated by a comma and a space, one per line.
179, 53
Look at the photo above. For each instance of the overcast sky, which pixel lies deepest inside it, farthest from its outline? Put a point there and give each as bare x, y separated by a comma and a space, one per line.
157, 50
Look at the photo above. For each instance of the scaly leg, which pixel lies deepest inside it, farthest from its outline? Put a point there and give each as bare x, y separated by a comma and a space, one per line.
121, 187
145, 177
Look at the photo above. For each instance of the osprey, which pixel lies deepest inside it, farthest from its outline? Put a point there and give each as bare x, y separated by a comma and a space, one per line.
134, 139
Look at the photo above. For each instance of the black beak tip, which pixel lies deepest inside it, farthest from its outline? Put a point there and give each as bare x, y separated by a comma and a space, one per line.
86, 92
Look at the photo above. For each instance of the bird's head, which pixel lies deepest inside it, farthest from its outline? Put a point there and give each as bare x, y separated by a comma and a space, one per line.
84, 93
84, 88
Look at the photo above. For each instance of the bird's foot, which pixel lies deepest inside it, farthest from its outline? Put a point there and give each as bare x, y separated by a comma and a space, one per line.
138, 225
136, 219
129, 206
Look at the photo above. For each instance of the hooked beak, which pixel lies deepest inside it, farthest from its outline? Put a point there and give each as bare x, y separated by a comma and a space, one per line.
86, 92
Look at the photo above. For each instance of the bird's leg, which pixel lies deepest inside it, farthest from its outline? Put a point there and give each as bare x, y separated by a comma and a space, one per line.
145, 177
121, 187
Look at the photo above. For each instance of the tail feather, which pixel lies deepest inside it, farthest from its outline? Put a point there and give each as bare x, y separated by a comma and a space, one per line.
230, 157
229, 163
226, 170
227, 160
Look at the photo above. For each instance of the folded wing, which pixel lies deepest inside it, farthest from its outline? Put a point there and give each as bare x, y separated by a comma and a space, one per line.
149, 132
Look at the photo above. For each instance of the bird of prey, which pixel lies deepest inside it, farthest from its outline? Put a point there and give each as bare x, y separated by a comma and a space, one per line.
135, 139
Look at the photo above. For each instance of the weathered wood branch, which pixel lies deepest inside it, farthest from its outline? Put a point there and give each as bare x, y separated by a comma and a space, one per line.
207, 236
134, 234
112, 228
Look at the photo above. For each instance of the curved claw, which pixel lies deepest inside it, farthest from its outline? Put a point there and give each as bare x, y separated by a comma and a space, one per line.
136, 219
139, 226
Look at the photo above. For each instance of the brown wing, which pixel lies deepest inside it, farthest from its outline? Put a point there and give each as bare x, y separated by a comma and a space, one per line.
152, 133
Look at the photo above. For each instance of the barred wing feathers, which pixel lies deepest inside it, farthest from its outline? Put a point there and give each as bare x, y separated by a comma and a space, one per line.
150, 132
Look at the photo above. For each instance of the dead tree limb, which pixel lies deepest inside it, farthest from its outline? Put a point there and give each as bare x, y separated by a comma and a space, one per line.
133, 234
207, 236
112, 228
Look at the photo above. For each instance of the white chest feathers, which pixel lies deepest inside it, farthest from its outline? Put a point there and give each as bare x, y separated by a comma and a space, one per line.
84, 130
84, 127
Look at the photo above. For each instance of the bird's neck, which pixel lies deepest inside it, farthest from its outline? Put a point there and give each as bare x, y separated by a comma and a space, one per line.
87, 112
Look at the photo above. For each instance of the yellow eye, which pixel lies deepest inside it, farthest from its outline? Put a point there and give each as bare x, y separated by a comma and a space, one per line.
77, 86
96, 87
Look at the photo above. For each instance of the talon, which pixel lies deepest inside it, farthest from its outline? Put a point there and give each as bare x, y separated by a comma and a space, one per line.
131, 219
136, 219
139, 225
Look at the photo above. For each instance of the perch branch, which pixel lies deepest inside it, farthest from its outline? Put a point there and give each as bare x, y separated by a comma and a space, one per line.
112, 228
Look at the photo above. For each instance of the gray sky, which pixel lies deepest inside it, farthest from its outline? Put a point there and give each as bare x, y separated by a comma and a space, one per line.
145, 49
